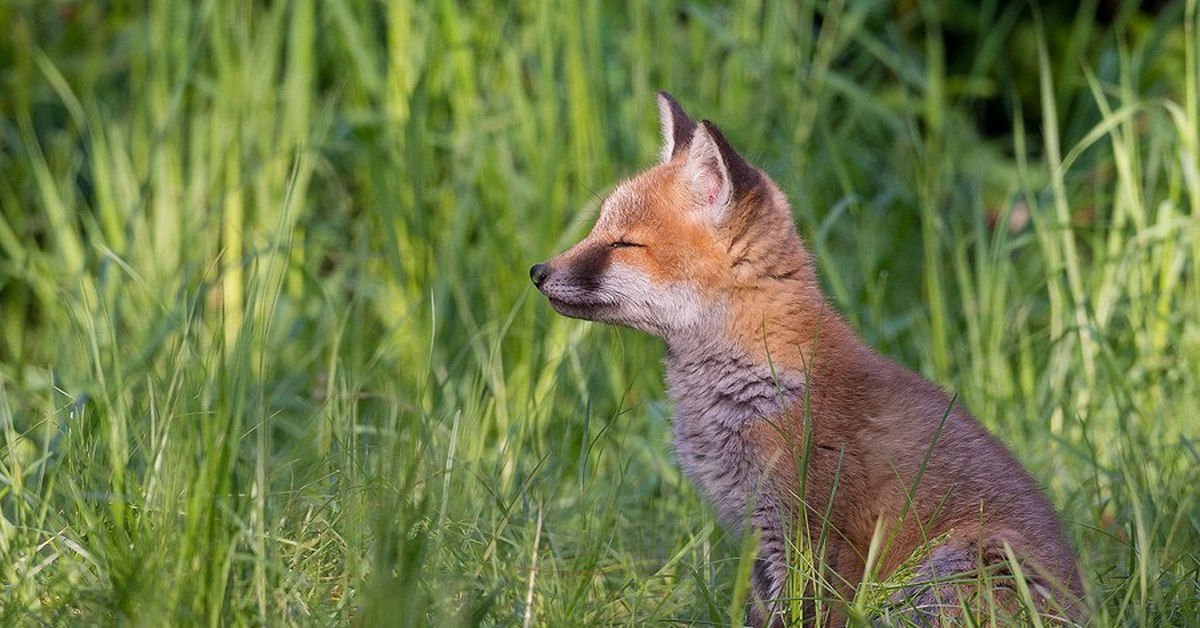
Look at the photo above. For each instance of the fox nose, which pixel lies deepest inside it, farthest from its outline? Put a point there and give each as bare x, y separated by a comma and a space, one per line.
538, 273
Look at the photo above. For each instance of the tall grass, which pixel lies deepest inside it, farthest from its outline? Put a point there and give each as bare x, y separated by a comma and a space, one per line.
268, 353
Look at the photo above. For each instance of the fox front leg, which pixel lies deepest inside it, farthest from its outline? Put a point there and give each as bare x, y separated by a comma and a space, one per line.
771, 604
768, 578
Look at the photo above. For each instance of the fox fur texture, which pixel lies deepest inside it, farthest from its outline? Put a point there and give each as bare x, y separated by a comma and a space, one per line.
788, 423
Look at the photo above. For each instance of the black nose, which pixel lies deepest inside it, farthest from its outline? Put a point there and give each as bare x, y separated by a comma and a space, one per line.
538, 273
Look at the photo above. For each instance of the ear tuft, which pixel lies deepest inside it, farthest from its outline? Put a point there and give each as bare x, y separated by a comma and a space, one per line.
706, 171
677, 127
716, 174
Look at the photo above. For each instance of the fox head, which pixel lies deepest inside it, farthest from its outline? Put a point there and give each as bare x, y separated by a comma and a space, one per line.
684, 247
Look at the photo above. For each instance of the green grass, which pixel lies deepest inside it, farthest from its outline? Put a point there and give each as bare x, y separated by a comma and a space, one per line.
269, 353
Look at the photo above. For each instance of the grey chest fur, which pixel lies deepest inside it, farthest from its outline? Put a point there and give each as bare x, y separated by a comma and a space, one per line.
717, 395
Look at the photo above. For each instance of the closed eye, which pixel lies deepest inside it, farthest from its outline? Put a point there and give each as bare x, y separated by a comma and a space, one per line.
621, 244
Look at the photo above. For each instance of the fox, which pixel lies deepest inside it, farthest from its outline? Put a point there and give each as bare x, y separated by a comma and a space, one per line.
788, 424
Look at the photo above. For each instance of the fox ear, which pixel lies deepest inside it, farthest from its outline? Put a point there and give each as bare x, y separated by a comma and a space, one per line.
716, 174
677, 127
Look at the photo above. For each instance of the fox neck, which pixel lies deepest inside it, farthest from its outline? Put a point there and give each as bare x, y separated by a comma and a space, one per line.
776, 311
766, 323
747, 360
716, 383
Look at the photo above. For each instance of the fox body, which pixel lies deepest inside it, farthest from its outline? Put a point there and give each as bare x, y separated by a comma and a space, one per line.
784, 419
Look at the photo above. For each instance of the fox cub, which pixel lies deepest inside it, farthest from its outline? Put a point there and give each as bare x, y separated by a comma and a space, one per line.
788, 423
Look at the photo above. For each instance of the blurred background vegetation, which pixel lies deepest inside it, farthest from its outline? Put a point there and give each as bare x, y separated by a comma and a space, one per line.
269, 355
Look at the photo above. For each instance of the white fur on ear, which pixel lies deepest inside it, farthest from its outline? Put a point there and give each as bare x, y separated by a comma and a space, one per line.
667, 122
707, 175
677, 127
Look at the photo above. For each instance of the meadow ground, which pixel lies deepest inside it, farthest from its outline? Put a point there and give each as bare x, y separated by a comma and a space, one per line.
269, 353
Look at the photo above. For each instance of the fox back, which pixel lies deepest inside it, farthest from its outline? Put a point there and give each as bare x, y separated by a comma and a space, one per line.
785, 421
